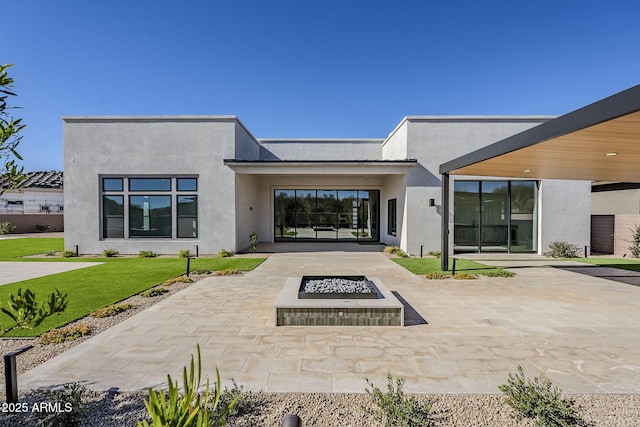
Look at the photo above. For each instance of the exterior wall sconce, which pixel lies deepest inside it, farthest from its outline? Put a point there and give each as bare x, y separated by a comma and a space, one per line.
432, 202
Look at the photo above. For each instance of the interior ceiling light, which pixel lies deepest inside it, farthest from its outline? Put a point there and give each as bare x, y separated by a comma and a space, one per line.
527, 171
611, 154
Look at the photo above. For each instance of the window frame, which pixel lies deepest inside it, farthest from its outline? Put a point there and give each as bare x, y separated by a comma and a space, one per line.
392, 217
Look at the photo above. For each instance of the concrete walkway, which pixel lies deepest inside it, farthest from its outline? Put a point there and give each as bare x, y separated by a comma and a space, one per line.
581, 332
11, 272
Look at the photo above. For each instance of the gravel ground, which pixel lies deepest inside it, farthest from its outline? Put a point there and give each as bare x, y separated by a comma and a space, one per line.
125, 409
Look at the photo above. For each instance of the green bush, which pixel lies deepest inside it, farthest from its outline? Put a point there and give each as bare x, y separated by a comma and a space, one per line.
243, 405
154, 292
109, 253
6, 228
435, 254
110, 310
498, 273
69, 400
395, 250
183, 407
634, 247
147, 254
253, 241
225, 253
562, 250
66, 333
184, 253
200, 272
436, 275
42, 227
539, 401
393, 408
25, 313
69, 254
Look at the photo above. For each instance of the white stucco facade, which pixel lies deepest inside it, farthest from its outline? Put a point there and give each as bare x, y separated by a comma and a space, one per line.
238, 177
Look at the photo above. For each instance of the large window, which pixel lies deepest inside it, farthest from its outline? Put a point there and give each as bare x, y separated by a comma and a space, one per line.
158, 207
495, 216
333, 215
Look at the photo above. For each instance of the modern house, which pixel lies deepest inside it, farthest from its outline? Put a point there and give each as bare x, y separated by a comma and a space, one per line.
166, 183
37, 205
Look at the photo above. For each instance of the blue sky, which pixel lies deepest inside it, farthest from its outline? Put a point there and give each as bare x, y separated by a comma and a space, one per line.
310, 68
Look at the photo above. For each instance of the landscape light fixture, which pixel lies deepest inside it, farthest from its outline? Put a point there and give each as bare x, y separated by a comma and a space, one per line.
432, 202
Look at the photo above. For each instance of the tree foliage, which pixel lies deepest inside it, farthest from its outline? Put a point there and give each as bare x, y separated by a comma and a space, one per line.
10, 128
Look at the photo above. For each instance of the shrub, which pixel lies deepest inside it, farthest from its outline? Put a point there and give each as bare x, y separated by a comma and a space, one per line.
227, 272
562, 250
154, 292
243, 403
539, 401
187, 408
435, 254
394, 250
225, 253
464, 276
498, 273
42, 227
69, 400
6, 228
393, 407
197, 272
110, 253
184, 253
24, 311
253, 241
635, 242
436, 275
69, 254
179, 279
110, 310
147, 254
66, 333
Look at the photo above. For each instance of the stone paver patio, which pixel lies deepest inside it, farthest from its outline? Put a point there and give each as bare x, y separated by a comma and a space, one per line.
581, 332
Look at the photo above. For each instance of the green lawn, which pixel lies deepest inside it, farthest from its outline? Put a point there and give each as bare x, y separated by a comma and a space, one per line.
95, 287
623, 263
428, 265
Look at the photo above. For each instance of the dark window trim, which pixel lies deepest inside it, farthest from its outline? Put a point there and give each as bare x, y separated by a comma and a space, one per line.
392, 217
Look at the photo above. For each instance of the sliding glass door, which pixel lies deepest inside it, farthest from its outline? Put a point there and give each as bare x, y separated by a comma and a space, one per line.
495, 216
326, 215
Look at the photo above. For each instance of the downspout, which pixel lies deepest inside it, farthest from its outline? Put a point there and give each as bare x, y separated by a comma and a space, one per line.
444, 240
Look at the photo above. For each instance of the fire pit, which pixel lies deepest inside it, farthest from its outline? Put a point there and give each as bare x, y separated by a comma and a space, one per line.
337, 287
337, 301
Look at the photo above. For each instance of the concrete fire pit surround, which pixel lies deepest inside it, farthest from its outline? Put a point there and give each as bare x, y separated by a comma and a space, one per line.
292, 311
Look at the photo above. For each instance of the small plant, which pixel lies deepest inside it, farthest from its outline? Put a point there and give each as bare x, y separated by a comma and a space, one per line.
464, 276
70, 404
24, 311
436, 275
6, 228
435, 254
225, 253
187, 408
147, 254
499, 273
69, 254
200, 272
184, 253
394, 250
110, 310
109, 253
42, 227
562, 250
64, 334
253, 241
227, 272
243, 403
538, 400
634, 247
393, 407
154, 292
179, 279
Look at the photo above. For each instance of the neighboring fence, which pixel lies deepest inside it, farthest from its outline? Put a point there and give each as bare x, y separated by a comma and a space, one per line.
26, 223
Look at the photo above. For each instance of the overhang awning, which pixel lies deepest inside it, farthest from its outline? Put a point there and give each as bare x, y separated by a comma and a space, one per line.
598, 142
321, 167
